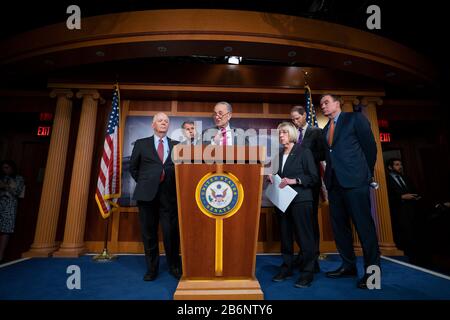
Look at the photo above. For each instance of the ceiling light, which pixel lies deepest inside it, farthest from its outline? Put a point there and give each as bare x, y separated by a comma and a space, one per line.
234, 59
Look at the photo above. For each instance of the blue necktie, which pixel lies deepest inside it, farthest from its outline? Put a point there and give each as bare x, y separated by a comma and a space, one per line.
300, 135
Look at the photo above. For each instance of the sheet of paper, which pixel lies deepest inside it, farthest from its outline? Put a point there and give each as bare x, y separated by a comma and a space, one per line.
281, 198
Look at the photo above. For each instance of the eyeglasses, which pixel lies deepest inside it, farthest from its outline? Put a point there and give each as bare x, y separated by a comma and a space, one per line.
218, 115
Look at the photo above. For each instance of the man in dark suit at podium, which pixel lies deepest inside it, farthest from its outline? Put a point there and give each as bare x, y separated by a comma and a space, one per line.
350, 155
152, 168
223, 134
311, 138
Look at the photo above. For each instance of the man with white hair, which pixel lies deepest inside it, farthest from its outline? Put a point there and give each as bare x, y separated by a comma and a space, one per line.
152, 168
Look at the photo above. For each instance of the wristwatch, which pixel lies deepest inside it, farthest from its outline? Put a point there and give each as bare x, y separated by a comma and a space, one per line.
298, 181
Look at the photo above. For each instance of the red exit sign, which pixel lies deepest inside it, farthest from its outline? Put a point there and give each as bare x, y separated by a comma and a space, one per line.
385, 137
382, 123
46, 116
43, 131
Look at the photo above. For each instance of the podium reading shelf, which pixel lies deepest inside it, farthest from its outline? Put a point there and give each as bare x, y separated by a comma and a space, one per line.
219, 201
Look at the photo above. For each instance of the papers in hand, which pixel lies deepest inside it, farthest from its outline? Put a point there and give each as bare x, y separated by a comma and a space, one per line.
281, 198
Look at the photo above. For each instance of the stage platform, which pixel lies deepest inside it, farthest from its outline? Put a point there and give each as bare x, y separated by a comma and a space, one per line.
46, 279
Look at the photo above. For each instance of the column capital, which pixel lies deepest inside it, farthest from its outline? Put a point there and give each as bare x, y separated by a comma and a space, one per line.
350, 99
376, 100
89, 92
61, 93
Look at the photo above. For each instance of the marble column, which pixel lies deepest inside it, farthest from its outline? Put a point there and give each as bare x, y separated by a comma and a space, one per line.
44, 240
73, 244
380, 201
347, 103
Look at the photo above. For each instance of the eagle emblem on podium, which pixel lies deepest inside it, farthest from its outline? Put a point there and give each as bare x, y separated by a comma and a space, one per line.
219, 194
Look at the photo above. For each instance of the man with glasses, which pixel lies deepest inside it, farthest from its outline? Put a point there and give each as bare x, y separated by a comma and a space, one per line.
223, 134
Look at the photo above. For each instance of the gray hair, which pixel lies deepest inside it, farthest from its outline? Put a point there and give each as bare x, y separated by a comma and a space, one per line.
158, 115
229, 107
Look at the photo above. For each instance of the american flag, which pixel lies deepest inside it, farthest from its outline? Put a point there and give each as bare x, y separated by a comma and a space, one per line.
109, 177
312, 121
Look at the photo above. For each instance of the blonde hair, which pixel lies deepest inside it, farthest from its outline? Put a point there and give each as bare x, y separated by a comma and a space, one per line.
291, 129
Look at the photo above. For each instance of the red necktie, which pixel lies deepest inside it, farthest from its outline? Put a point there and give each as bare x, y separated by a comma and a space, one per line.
161, 157
224, 136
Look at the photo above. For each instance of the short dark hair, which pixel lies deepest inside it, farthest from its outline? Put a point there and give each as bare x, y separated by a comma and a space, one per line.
299, 109
391, 161
10, 163
333, 96
187, 122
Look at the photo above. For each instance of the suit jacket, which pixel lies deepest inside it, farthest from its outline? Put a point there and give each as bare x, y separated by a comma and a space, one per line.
300, 164
395, 192
146, 169
197, 141
313, 141
236, 133
353, 152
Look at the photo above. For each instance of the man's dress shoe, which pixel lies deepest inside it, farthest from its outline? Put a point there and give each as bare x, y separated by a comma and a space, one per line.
343, 272
150, 276
282, 275
176, 273
305, 280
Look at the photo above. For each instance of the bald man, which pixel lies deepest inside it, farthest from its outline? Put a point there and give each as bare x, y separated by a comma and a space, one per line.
153, 170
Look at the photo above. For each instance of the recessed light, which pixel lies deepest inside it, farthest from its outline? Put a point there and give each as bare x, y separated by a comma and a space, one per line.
100, 54
292, 54
234, 59
228, 49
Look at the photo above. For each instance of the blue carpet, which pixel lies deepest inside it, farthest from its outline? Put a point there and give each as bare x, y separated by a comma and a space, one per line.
45, 278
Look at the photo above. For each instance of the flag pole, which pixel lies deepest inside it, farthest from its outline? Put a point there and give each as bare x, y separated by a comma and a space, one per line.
105, 256
108, 203
322, 256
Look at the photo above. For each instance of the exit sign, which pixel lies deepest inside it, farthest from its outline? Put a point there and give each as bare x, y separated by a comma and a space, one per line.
43, 131
385, 137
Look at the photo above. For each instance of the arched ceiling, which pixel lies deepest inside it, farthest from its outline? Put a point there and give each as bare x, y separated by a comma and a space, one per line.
286, 39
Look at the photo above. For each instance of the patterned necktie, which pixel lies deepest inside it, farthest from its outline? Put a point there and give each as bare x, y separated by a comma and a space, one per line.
300, 135
331, 132
224, 136
161, 157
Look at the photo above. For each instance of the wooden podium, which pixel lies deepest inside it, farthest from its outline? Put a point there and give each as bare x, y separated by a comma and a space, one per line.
219, 200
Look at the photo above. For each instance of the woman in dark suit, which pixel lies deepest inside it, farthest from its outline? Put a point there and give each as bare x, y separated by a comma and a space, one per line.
298, 170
